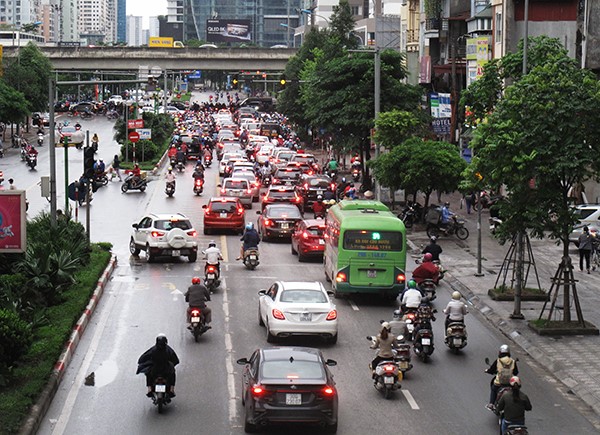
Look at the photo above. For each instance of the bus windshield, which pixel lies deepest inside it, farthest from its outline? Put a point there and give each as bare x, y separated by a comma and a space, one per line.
372, 240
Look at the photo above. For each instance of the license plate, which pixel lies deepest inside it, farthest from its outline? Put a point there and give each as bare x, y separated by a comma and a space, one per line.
234, 193
306, 317
195, 319
223, 215
457, 341
176, 253
425, 341
285, 226
160, 388
403, 364
210, 276
321, 242
293, 399
410, 327
252, 257
371, 274
388, 380
319, 192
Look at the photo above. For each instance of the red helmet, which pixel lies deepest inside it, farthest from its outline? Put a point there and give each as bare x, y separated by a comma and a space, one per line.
196, 280
427, 257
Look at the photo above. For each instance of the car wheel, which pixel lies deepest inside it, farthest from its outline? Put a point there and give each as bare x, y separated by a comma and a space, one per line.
331, 428
149, 255
249, 427
206, 231
193, 257
333, 340
301, 258
133, 248
260, 320
270, 337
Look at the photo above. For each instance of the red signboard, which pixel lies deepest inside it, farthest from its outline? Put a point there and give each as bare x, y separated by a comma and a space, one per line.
134, 136
12, 221
135, 123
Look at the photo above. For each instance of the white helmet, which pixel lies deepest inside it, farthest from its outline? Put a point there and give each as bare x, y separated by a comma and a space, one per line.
456, 295
386, 325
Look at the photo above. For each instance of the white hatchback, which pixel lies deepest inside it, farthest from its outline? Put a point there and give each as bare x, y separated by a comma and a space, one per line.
290, 308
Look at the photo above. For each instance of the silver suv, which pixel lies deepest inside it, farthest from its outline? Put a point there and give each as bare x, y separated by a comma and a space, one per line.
588, 215
164, 235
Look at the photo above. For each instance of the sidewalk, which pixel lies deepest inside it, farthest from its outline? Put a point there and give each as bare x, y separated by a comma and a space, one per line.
572, 360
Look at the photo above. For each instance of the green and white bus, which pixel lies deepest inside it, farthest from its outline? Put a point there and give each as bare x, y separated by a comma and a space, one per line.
365, 249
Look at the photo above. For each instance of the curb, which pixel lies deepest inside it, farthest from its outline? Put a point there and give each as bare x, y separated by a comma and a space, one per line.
38, 410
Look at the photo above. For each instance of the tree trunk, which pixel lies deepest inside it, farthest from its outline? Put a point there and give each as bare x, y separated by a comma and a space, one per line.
566, 280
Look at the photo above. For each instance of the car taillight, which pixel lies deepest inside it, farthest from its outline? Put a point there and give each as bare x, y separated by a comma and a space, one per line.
192, 233
249, 191
410, 316
257, 390
333, 187
223, 191
400, 278
328, 391
341, 277
310, 172
296, 199
157, 234
240, 210
195, 313
278, 314
332, 315
306, 185
305, 235
268, 222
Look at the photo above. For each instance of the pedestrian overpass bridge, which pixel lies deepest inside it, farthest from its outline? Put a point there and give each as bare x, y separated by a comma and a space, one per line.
179, 59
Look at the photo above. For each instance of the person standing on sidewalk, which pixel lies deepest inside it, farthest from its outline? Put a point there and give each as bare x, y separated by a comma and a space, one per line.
585, 248
116, 165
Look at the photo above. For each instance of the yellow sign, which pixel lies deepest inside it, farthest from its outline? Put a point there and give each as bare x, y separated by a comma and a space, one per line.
1, 53
160, 41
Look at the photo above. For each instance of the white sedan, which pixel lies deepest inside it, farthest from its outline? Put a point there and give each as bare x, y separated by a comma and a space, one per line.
291, 308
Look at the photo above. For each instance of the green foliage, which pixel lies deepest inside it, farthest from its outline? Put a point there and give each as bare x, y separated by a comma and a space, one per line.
144, 149
105, 246
433, 8
396, 126
418, 165
14, 108
342, 24
15, 338
30, 74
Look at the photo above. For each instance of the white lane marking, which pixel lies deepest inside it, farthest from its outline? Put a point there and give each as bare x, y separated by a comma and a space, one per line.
224, 251
410, 399
228, 344
67, 408
353, 305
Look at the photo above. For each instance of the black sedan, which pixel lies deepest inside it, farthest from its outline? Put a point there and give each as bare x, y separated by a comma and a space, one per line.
278, 221
311, 186
288, 384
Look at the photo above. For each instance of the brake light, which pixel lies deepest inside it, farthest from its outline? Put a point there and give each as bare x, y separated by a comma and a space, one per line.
157, 234
389, 368
333, 186
192, 233
310, 172
410, 316
305, 235
249, 190
278, 314
212, 268
223, 191
400, 278
240, 210
306, 185
195, 313
341, 277
328, 391
268, 222
257, 391
332, 315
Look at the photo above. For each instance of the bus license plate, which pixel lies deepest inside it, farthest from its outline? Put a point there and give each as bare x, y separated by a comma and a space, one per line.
293, 399
306, 317
425, 341
160, 388
371, 274
175, 253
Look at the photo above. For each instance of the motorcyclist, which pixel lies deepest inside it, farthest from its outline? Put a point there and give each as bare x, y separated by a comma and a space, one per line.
433, 248
455, 311
411, 299
504, 368
250, 239
159, 361
207, 154
99, 167
172, 153
384, 341
197, 296
426, 270
180, 156
213, 256
333, 165
446, 215
397, 325
350, 192
136, 175
512, 406
170, 177
319, 207
32, 151
198, 171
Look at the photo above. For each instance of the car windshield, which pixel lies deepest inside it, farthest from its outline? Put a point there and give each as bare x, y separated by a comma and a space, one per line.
583, 213
281, 194
318, 182
168, 225
303, 159
222, 207
284, 212
315, 231
296, 369
303, 296
287, 174
236, 184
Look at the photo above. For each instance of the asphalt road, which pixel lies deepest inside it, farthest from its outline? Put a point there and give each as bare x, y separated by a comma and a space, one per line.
446, 395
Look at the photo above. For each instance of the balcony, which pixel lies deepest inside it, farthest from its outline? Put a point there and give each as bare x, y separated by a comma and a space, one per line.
412, 40
432, 28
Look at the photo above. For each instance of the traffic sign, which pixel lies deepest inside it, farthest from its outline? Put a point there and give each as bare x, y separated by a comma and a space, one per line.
134, 136
135, 123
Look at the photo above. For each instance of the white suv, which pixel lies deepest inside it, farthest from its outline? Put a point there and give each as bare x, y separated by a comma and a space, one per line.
164, 235
588, 215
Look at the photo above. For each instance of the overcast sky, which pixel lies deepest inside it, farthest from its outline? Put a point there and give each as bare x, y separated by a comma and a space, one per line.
146, 8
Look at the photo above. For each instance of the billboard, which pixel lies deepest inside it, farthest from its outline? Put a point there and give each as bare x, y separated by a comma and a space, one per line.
12, 221
228, 30
160, 41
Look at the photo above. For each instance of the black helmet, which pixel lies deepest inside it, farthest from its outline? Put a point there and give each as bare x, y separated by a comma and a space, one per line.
161, 340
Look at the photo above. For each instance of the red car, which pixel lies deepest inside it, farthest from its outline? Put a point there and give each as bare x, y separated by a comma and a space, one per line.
224, 213
308, 239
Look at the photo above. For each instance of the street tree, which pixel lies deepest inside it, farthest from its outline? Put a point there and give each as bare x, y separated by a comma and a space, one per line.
13, 105
29, 73
394, 127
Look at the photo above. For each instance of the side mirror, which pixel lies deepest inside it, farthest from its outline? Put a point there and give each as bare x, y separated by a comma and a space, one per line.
262, 292
331, 362
205, 206
381, 322
435, 311
258, 212
218, 185
135, 226
330, 293
242, 361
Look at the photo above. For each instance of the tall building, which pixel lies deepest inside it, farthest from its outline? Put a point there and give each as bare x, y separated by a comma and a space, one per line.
135, 34
18, 12
68, 17
153, 27
97, 20
121, 20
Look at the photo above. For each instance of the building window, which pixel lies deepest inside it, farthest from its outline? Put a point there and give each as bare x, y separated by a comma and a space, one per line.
498, 27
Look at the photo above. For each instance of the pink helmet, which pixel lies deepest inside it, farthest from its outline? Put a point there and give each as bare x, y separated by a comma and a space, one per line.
427, 257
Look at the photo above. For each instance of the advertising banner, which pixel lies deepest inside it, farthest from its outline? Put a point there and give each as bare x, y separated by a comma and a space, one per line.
160, 41
228, 30
440, 105
12, 221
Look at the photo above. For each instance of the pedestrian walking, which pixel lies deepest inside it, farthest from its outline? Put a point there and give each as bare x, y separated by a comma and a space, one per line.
585, 248
469, 201
116, 165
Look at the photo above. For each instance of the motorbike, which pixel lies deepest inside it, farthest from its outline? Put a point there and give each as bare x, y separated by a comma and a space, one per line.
100, 178
198, 323
411, 214
402, 356
31, 160
170, 189
494, 222
423, 333
428, 286
266, 180
40, 139
211, 277
456, 336
1, 152
251, 258
1, 177
387, 377
131, 184
456, 226
180, 166
112, 114
17, 141
95, 146
207, 160
409, 320
160, 396
332, 174
487, 199
356, 173
198, 185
